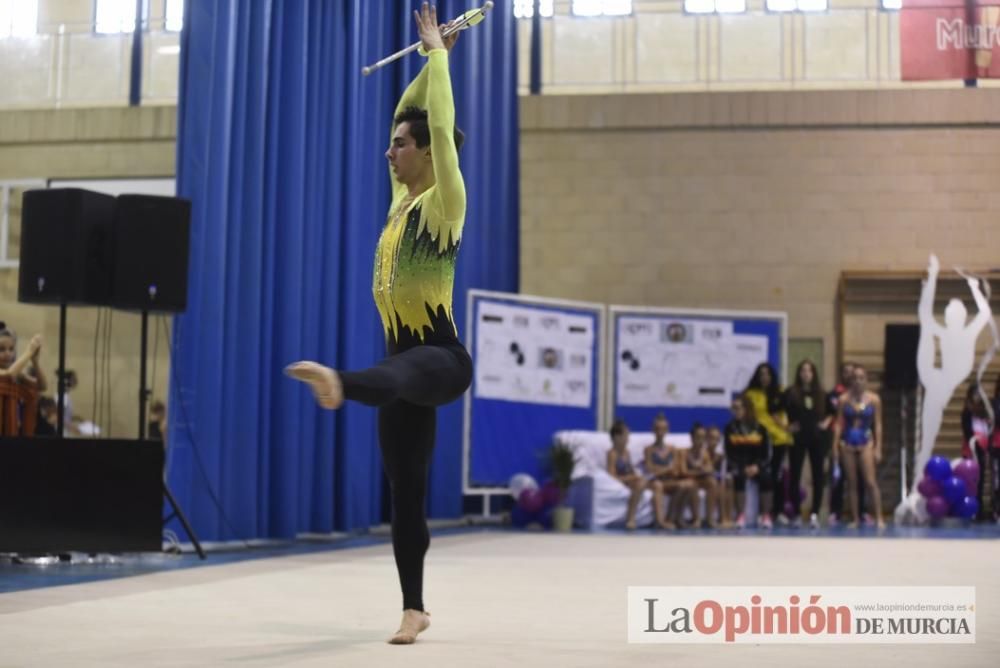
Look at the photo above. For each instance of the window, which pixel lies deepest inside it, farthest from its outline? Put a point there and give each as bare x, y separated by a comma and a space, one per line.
115, 16
602, 7
175, 15
525, 9
715, 6
892, 4
797, 5
18, 18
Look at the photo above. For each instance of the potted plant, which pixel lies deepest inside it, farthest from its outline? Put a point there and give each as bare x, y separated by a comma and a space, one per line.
562, 460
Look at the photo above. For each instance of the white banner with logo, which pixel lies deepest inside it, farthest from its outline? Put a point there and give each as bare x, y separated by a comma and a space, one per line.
533, 355
665, 361
802, 615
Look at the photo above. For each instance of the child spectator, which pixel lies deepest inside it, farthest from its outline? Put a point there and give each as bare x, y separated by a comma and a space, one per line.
699, 468
663, 464
748, 453
157, 420
620, 466
723, 476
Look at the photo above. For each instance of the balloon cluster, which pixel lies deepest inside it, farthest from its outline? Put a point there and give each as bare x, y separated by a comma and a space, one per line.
532, 504
950, 490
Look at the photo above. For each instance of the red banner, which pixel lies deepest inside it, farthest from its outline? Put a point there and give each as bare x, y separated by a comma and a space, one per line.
950, 39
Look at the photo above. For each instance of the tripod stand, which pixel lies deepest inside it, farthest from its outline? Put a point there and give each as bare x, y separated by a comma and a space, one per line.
143, 398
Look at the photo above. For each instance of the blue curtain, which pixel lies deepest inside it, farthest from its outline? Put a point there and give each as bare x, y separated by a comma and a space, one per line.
280, 145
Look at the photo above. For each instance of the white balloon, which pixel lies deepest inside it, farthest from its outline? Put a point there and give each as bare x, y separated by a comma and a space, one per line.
520, 482
912, 511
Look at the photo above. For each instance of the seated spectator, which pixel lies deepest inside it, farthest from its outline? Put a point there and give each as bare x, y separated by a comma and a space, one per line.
723, 476
47, 417
976, 432
23, 381
620, 467
26, 368
697, 466
748, 452
663, 464
157, 420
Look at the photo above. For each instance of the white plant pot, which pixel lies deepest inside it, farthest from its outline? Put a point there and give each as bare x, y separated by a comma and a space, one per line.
562, 518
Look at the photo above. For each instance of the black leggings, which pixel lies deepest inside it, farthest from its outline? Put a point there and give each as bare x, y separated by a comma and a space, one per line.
407, 387
815, 445
777, 459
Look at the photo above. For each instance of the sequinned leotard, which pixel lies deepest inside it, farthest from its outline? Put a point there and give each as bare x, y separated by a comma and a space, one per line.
415, 259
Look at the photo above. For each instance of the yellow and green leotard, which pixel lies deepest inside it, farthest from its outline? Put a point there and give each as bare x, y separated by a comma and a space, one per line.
415, 257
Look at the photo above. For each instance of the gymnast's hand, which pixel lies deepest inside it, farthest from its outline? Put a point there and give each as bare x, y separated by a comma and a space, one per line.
450, 40
428, 28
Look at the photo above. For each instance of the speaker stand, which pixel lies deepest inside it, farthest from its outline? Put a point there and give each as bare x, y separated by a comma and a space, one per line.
61, 373
143, 397
143, 392
179, 514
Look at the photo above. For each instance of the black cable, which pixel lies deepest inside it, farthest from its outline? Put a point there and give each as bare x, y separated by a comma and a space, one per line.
156, 346
190, 435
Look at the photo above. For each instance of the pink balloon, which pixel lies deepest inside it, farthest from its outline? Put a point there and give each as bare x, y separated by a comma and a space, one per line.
929, 487
550, 494
531, 500
968, 471
937, 507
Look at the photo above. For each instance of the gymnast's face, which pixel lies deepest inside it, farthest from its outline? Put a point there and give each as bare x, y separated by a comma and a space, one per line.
7, 353
406, 159
860, 380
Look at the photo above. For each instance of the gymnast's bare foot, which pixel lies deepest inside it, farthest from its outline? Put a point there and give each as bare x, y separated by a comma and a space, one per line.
324, 381
414, 623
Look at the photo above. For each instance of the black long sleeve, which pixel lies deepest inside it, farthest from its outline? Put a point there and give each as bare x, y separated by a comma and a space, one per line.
746, 445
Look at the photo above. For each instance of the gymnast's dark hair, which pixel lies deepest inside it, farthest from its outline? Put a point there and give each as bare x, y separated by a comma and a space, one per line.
421, 132
773, 390
618, 427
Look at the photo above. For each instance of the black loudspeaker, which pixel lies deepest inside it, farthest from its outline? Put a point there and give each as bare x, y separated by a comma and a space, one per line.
150, 247
65, 247
901, 343
87, 495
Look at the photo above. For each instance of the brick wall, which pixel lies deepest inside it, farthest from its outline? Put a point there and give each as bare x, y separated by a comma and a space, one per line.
754, 200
